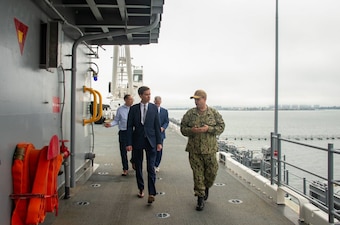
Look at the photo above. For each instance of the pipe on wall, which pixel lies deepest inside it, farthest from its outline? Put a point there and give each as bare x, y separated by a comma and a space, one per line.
154, 24
49, 3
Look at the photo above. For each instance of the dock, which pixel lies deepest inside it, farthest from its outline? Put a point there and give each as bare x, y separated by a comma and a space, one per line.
107, 198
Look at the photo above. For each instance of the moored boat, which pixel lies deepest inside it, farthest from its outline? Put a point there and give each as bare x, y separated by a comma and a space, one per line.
319, 191
250, 158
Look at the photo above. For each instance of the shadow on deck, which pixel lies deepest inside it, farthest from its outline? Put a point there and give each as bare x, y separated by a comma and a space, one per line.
107, 198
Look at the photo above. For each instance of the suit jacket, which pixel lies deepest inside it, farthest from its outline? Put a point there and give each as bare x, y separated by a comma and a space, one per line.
163, 120
136, 131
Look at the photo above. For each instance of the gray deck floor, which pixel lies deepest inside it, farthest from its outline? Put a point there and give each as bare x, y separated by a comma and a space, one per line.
112, 199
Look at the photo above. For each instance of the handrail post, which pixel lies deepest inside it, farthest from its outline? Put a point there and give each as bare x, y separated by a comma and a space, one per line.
272, 147
278, 144
330, 183
275, 144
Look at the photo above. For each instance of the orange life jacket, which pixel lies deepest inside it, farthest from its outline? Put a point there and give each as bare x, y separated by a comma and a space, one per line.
34, 184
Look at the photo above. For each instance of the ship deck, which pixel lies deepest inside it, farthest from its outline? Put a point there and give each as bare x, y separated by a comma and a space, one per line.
107, 198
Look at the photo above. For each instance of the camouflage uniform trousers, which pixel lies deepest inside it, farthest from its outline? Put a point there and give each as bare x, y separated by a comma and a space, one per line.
204, 168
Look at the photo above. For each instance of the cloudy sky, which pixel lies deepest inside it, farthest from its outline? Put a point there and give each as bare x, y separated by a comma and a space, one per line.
227, 47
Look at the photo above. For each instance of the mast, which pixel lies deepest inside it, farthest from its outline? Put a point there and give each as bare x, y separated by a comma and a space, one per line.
126, 78
128, 69
114, 71
121, 72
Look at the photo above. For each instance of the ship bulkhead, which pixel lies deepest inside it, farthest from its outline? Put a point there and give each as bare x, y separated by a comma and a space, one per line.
46, 63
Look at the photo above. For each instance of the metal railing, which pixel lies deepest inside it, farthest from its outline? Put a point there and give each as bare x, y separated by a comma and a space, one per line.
279, 174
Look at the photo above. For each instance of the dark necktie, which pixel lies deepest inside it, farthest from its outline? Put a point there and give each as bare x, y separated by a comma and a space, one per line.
144, 113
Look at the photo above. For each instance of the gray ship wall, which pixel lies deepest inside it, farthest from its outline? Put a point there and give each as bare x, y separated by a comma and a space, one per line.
28, 110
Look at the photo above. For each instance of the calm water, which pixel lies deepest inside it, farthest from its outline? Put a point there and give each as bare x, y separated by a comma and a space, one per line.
292, 124
252, 129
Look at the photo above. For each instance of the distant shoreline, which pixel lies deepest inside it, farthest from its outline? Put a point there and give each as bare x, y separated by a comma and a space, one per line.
270, 108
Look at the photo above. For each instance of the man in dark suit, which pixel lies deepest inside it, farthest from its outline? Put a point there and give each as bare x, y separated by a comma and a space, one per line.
164, 122
144, 133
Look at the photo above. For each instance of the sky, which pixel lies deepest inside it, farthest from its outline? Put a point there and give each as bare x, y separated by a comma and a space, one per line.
227, 48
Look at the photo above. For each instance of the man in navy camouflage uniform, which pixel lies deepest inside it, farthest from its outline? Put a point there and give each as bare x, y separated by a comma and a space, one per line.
201, 125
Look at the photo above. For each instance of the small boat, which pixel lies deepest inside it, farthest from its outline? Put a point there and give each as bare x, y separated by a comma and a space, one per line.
250, 158
319, 191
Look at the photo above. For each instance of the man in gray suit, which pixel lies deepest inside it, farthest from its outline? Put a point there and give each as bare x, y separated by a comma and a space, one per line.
164, 122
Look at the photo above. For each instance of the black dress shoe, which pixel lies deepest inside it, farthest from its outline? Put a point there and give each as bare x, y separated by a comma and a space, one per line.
200, 203
206, 194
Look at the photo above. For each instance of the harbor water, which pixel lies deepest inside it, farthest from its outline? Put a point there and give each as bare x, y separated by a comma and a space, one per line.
251, 129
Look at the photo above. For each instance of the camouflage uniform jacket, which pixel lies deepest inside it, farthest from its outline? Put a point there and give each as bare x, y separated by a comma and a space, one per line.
202, 143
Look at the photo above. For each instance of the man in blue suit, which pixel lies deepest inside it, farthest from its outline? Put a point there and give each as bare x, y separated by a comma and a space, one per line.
144, 133
164, 122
